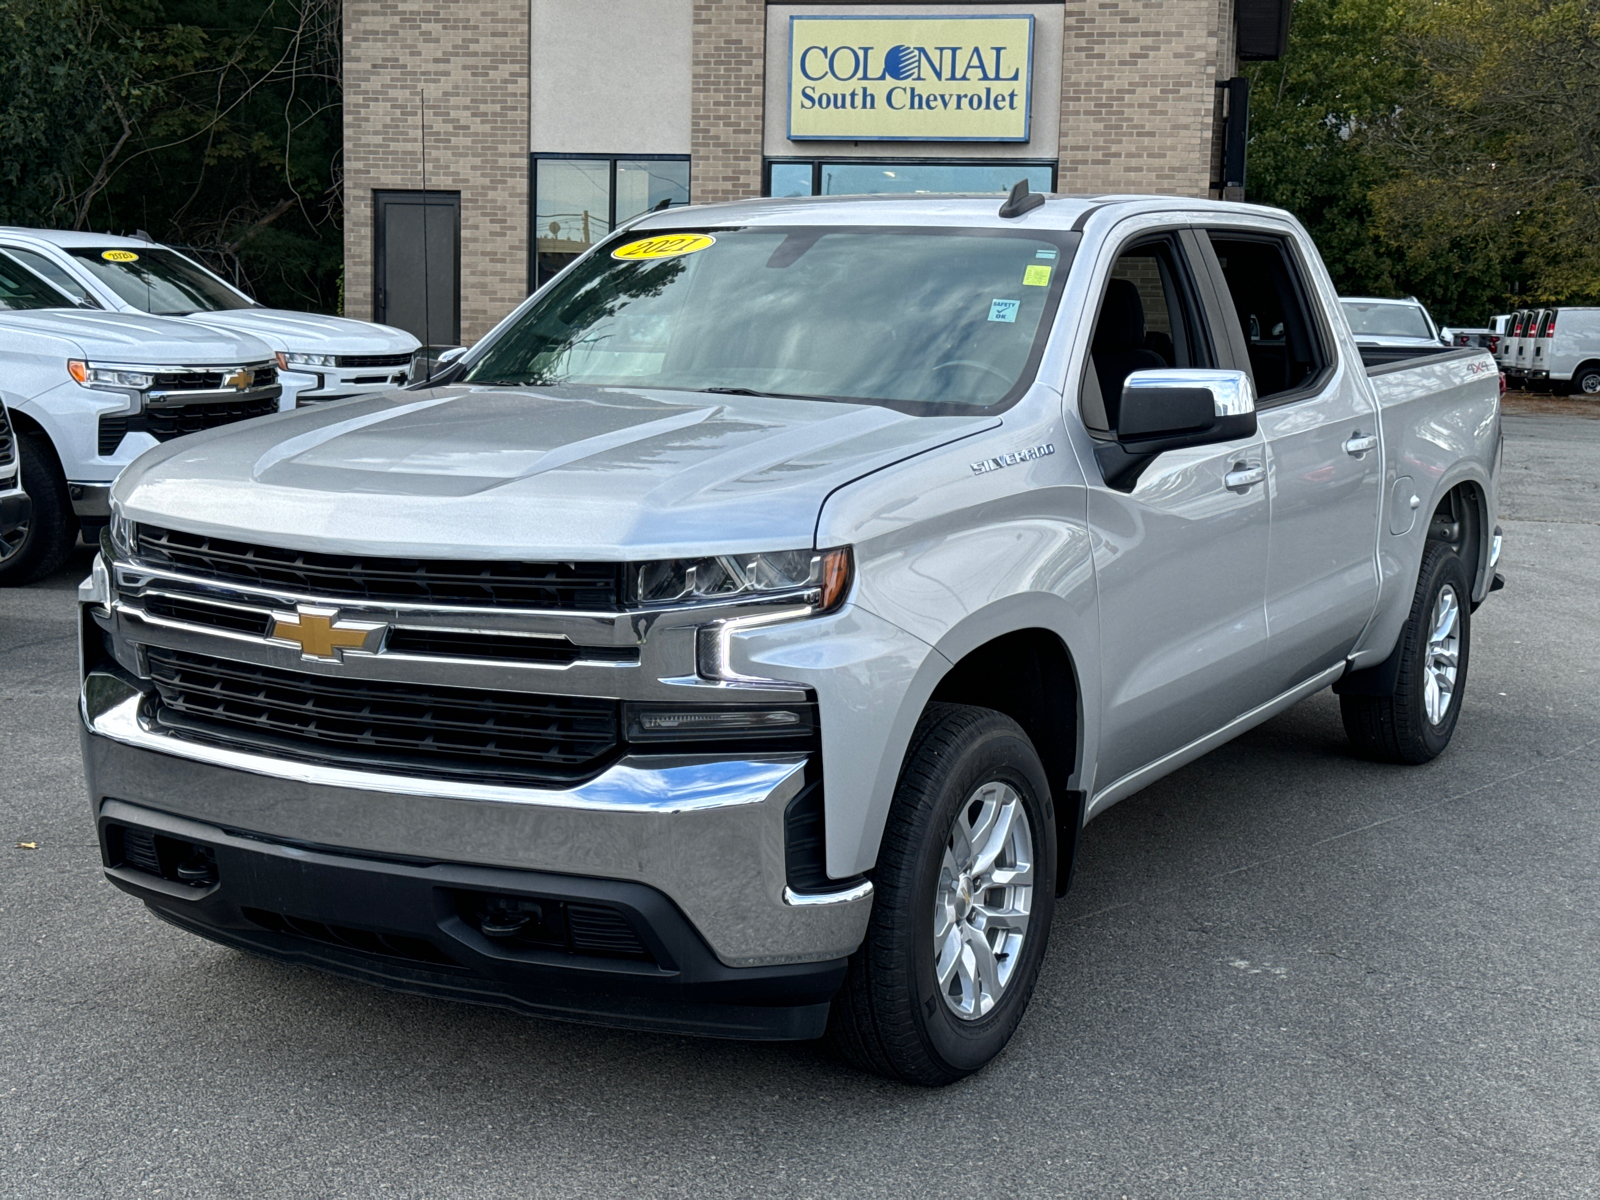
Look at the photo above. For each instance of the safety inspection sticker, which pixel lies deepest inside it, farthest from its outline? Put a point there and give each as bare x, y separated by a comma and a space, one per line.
1036, 276
668, 245
1004, 310
119, 256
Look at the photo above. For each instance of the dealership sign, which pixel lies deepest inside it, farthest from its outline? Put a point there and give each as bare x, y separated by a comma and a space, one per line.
910, 79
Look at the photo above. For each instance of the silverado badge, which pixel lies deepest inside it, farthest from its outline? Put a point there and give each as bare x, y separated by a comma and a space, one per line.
322, 637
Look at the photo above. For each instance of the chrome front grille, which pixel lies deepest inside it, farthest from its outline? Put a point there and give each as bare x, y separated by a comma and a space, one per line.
352, 578
8, 445
425, 730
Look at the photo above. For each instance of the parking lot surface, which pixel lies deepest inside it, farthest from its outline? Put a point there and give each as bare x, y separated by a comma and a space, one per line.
1281, 972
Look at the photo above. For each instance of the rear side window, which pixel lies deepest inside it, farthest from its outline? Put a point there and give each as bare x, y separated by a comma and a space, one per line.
1271, 301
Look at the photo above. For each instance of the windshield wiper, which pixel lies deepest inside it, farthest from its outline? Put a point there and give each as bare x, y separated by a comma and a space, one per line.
744, 391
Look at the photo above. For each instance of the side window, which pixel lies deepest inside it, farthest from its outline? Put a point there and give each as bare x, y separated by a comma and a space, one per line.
1270, 299
1149, 319
56, 274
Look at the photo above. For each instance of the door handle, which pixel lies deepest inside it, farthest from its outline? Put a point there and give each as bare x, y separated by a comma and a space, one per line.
1359, 445
1244, 476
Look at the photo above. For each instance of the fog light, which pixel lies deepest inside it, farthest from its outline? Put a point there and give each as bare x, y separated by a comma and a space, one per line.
666, 723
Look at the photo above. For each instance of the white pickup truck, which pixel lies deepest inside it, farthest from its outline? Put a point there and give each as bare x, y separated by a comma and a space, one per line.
739, 638
320, 358
89, 391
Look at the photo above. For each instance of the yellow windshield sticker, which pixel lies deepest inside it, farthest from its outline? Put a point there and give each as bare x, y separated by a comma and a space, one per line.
668, 245
119, 256
1036, 276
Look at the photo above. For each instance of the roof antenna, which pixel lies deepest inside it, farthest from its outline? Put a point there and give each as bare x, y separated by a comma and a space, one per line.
1021, 200
427, 306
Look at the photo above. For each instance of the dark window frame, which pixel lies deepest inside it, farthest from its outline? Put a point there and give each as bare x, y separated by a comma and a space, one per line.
1317, 328
431, 198
1191, 284
611, 160
872, 160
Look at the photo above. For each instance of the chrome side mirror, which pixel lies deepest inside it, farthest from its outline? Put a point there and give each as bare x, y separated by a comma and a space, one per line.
450, 355
1174, 408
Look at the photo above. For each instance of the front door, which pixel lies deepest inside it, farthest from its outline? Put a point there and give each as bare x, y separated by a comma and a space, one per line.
417, 267
1326, 467
1180, 561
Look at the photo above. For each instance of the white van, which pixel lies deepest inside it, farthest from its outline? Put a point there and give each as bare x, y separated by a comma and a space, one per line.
1566, 351
1500, 344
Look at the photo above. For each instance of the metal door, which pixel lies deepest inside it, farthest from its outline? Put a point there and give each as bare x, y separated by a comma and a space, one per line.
1325, 466
1180, 565
418, 283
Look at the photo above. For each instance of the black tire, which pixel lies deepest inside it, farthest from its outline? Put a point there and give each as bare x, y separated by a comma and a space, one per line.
1586, 380
1397, 728
52, 529
889, 1018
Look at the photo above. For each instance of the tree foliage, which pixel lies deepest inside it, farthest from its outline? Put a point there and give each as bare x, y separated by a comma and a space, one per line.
212, 124
1444, 148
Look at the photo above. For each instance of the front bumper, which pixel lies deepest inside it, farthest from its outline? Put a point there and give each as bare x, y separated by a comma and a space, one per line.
704, 837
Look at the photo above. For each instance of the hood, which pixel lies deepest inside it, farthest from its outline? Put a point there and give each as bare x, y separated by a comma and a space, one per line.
139, 339
309, 333
535, 473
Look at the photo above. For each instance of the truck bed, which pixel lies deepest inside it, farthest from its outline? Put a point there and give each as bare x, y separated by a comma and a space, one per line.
1382, 358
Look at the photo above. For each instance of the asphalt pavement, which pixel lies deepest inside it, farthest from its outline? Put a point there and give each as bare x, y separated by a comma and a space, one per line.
1281, 972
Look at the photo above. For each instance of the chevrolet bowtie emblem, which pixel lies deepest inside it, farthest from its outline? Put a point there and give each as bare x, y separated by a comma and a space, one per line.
240, 379
322, 637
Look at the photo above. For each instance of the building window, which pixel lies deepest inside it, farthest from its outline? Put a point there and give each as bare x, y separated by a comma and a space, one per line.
876, 176
579, 198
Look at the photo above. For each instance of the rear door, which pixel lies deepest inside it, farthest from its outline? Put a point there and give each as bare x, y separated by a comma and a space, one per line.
1325, 469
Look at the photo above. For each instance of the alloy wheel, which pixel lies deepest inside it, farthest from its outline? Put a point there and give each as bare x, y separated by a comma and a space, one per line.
1442, 656
984, 900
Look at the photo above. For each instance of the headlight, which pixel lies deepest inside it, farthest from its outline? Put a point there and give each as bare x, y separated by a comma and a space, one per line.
92, 376
826, 573
289, 361
119, 531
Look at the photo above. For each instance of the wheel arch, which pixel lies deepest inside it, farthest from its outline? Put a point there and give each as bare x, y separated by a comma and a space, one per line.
1029, 675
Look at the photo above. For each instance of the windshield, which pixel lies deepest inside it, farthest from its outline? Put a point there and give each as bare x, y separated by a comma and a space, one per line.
21, 289
924, 320
159, 281
1388, 320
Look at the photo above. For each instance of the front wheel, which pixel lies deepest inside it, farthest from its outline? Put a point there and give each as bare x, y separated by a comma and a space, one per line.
1415, 724
42, 543
963, 897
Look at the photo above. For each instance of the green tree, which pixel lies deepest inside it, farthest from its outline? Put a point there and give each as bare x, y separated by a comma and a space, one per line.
212, 124
1499, 150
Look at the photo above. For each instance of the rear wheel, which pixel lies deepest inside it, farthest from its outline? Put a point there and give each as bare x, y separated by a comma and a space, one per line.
1416, 723
964, 895
1586, 379
42, 543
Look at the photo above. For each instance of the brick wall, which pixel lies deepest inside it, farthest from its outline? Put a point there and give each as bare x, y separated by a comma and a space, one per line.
1138, 94
472, 58
729, 49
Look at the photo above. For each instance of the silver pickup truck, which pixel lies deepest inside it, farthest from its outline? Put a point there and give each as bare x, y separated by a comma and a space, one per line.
739, 638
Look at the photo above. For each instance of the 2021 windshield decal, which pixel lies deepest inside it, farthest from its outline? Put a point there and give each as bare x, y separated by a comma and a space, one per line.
984, 465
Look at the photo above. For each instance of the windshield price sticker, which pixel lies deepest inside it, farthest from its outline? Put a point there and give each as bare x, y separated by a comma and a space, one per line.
669, 245
1036, 276
119, 256
1004, 310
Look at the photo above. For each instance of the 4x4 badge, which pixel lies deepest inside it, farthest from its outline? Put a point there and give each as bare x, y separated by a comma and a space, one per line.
322, 637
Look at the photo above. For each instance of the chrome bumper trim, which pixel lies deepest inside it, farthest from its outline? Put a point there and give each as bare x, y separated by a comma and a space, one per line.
707, 833
637, 785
